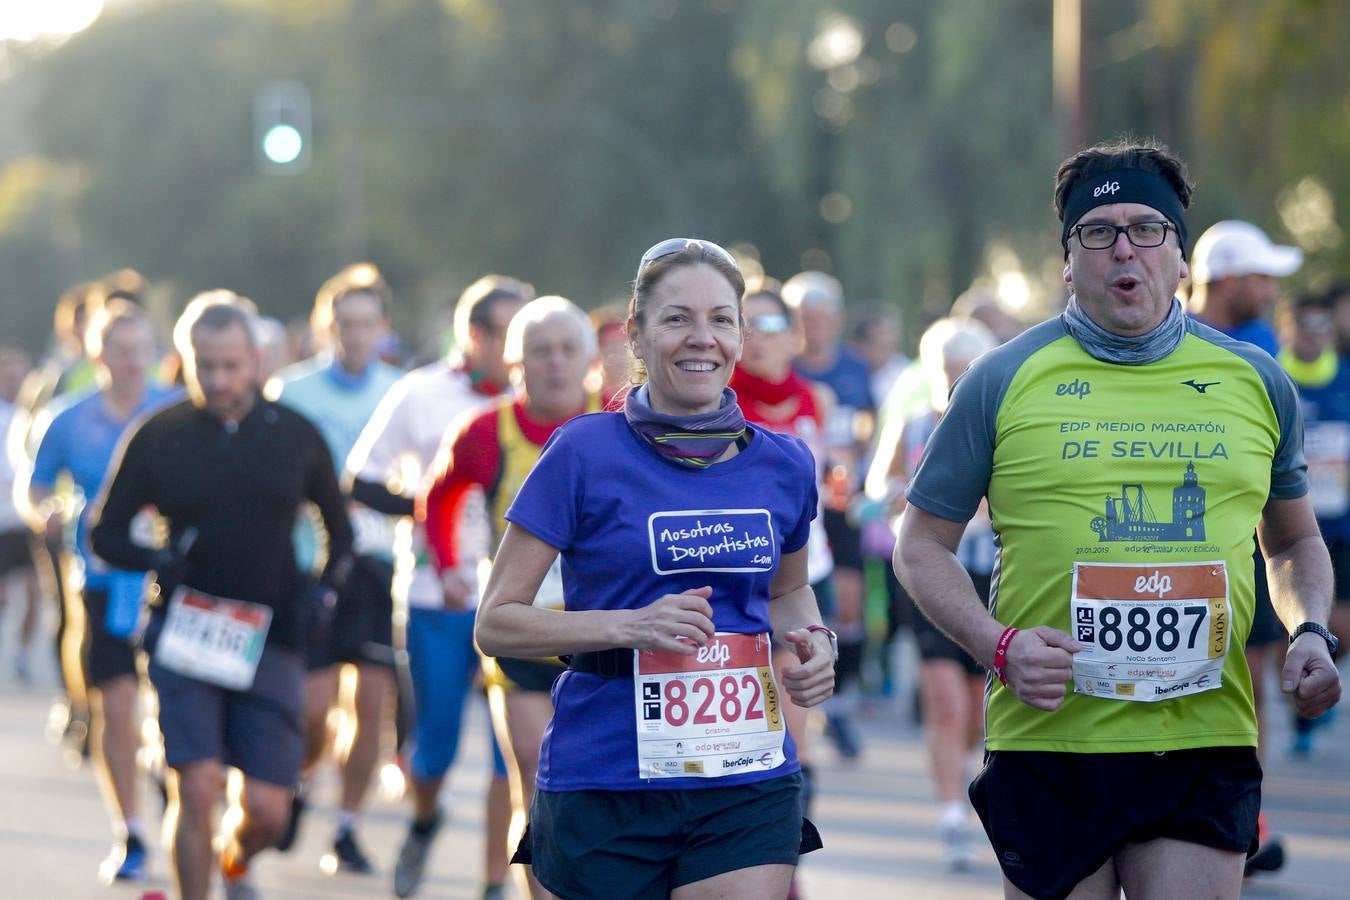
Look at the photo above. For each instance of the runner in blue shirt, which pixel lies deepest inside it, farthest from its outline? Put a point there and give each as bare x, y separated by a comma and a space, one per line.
338, 391
80, 443
1308, 353
683, 538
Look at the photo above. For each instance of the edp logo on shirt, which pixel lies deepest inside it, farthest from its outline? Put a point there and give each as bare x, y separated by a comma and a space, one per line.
711, 540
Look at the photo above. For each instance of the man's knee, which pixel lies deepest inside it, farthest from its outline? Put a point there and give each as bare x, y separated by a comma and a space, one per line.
374, 684
199, 786
267, 809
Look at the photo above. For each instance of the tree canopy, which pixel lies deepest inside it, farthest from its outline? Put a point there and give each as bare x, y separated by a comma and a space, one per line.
906, 145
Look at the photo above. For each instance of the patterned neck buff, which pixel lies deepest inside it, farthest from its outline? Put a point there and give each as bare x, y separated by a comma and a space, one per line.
1122, 350
696, 441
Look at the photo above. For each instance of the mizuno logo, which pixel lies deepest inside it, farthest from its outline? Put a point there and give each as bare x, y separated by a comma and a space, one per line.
1200, 388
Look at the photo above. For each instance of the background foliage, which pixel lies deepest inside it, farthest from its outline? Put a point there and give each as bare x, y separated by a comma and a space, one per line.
908, 145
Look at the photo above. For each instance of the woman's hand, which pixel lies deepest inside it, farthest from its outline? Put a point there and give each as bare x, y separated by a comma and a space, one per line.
679, 622
811, 682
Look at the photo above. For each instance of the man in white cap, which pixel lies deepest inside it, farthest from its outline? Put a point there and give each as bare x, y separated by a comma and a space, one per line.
1233, 285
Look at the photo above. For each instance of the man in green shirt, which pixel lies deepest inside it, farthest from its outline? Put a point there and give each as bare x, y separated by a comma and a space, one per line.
1128, 454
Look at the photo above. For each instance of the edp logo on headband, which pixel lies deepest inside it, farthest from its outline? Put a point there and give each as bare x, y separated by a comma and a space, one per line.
711, 540
1106, 189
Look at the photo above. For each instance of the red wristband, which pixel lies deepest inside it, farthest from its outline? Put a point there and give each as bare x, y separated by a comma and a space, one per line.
1001, 654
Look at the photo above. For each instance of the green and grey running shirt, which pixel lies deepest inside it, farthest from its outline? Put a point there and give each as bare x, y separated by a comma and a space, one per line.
1124, 500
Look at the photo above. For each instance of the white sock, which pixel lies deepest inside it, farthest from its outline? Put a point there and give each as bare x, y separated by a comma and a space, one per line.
132, 826
347, 821
953, 815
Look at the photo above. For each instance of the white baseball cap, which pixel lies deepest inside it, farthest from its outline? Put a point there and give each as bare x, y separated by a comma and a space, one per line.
1232, 247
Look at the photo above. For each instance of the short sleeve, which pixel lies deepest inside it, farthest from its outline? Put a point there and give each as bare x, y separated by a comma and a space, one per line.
806, 465
549, 503
52, 452
1289, 467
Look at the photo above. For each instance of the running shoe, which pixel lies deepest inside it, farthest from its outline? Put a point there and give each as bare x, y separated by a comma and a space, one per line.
235, 875
241, 888
127, 862
412, 857
346, 856
958, 850
493, 892
287, 839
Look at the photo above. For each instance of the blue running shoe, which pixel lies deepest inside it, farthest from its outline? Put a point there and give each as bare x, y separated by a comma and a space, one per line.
128, 861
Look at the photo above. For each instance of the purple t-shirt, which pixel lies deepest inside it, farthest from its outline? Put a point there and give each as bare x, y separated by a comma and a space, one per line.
632, 527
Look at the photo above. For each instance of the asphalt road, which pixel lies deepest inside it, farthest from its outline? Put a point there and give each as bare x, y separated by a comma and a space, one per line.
877, 817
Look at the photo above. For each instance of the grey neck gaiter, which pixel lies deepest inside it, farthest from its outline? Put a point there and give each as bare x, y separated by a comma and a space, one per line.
1117, 348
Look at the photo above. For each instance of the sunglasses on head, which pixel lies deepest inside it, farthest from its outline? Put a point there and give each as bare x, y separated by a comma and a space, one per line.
671, 246
769, 323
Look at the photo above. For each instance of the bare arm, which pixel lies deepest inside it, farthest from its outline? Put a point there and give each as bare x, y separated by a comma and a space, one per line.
43, 511
792, 607
1301, 588
1039, 659
508, 624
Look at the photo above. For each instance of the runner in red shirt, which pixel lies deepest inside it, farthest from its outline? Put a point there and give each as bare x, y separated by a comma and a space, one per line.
550, 345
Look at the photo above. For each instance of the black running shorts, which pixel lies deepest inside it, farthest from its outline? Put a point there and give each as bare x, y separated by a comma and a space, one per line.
644, 844
1055, 818
107, 655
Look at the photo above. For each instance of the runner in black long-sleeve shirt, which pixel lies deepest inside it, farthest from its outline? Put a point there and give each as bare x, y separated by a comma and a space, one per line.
228, 471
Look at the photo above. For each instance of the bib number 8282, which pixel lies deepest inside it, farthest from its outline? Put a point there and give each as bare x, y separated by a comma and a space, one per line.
678, 700
1142, 629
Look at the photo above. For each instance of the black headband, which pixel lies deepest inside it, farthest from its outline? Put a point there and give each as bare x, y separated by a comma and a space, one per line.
1124, 186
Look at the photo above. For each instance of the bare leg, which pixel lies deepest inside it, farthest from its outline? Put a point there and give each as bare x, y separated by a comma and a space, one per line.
498, 819
946, 724
527, 714
374, 687
425, 796
1170, 868
267, 807
1100, 885
31, 595
320, 691
116, 738
754, 883
194, 791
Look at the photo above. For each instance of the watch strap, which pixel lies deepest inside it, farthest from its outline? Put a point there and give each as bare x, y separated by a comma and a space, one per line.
829, 632
1320, 630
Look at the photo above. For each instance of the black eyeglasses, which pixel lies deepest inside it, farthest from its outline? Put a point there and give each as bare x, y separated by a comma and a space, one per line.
671, 246
1102, 235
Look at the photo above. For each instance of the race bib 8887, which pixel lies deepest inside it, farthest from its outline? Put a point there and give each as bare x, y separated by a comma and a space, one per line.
1150, 632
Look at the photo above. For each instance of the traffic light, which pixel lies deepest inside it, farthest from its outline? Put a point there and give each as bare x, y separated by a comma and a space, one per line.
281, 128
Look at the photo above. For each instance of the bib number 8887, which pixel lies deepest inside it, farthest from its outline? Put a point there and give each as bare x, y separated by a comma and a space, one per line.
1142, 630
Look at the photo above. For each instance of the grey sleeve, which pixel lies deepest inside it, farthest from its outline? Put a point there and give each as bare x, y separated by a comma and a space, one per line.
1289, 468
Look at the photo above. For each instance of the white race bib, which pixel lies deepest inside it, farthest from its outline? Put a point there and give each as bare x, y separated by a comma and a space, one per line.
708, 715
1326, 445
213, 639
1150, 632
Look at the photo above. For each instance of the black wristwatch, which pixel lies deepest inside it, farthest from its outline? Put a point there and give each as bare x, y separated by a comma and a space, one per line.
1332, 644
